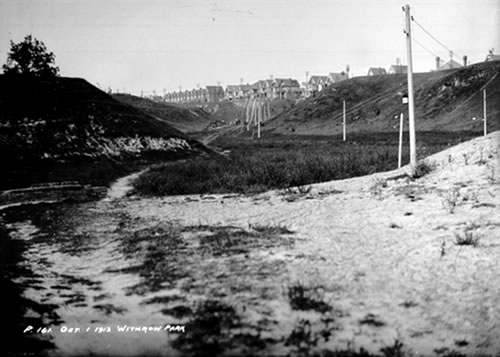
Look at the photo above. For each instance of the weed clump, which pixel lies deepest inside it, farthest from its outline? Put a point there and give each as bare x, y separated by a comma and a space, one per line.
307, 298
451, 199
422, 168
468, 238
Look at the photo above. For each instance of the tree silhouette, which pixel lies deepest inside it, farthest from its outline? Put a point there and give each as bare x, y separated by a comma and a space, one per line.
30, 57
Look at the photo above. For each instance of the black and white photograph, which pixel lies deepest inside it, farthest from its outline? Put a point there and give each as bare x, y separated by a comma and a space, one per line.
293, 178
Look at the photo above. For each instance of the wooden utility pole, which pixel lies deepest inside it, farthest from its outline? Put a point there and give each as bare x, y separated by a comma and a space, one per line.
484, 113
411, 99
344, 122
259, 118
400, 151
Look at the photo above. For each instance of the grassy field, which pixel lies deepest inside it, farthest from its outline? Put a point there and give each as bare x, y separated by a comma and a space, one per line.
284, 161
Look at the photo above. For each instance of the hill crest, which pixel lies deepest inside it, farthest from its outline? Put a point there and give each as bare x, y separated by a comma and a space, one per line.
67, 118
445, 101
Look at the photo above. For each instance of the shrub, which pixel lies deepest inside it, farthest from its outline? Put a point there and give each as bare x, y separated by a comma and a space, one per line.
307, 298
422, 168
468, 238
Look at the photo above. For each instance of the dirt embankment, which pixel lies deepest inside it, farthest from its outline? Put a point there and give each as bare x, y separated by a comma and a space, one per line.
444, 100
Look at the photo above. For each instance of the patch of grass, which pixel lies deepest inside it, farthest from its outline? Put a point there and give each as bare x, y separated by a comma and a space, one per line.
377, 187
408, 304
235, 240
178, 312
451, 199
276, 162
442, 248
468, 238
299, 190
462, 343
371, 319
302, 338
306, 298
395, 350
271, 229
167, 255
292, 194
394, 225
491, 175
208, 331
422, 168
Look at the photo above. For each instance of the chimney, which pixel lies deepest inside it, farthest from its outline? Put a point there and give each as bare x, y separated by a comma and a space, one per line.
465, 61
438, 62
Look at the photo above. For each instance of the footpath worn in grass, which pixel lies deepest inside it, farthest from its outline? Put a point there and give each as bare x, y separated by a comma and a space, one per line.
279, 162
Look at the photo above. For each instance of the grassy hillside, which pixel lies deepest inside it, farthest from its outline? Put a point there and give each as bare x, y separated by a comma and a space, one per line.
185, 119
61, 127
446, 100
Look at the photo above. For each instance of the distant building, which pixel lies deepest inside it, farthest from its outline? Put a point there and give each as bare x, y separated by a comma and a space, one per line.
398, 69
214, 94
286, 88
240, 91
316, 84
209, 94
376, 71
451, 64
263, 88
492, 57
337, 77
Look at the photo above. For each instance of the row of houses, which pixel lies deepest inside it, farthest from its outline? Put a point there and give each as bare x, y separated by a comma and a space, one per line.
440, 66
209, 94
285, 88
289, 88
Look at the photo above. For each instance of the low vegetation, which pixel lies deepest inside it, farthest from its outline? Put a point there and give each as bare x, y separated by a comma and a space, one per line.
469, 237
306, 298
280, 162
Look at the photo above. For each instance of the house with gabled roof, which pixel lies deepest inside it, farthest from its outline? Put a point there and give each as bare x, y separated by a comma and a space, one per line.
263, 88
316, 84
451, 64
398, 69
214, 94
334, 77
376, 71
286, 88
239, 91
492, 57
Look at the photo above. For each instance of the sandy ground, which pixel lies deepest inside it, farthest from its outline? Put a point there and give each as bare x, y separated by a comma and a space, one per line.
383, 250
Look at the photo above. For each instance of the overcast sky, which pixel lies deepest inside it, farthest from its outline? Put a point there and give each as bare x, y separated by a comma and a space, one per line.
136, 45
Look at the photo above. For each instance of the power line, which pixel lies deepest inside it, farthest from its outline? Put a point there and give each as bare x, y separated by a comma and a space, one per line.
425, 48
434, 38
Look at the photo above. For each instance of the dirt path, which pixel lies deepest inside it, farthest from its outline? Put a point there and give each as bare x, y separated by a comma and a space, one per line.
122, 186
